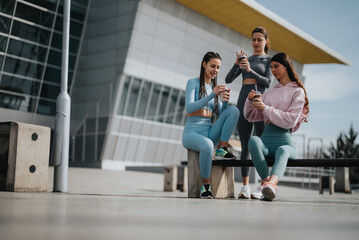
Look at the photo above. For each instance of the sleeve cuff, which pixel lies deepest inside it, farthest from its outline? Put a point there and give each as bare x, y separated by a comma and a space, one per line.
266, 110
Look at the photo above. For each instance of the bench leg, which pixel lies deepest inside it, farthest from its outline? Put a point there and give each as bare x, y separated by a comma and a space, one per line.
320, 185
170, 179
229, 171
194, 176
222, 179
182, 178
331, 185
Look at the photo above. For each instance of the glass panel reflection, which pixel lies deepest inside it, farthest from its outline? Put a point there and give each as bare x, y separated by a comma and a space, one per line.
179, 114
20, 85
132, 100
50, 91
24, 68
7, 6
172, 106
3, 41
52, 75
124, 95
49, 4
34, 15
143, 100
163, 104
26, 50
46, 107
4, 24
153, 104
30, 32
12, 101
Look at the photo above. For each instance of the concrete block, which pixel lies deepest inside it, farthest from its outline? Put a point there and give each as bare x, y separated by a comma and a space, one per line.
27, 160
222, 178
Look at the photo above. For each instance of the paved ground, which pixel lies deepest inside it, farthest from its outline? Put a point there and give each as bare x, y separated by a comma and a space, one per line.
131, 205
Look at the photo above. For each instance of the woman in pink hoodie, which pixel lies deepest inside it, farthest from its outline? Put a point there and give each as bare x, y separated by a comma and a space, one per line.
283, 109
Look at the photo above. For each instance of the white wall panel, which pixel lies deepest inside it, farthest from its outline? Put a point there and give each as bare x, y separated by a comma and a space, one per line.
146, 23
169, 33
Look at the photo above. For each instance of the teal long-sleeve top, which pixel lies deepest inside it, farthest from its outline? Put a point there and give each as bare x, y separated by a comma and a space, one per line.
193, 102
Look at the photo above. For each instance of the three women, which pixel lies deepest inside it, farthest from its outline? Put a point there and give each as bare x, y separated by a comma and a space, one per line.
281, 110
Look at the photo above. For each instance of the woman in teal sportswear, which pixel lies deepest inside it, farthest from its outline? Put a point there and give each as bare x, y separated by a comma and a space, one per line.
199, 133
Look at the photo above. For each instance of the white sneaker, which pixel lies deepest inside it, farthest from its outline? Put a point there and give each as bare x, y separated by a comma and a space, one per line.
269, 192
258, 193
245, 192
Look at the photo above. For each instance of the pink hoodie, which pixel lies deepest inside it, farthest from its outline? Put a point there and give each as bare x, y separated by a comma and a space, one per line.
284, 107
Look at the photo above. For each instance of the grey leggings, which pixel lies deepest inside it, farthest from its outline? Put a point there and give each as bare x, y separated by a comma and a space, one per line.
244, 127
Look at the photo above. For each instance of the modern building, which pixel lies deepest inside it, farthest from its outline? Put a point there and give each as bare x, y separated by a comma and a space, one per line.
129, 64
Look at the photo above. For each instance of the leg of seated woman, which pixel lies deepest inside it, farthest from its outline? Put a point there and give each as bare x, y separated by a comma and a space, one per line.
282, 154
258, 152
204, 146
224, 126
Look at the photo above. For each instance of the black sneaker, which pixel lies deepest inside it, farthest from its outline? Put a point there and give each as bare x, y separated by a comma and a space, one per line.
223, 154
206, 191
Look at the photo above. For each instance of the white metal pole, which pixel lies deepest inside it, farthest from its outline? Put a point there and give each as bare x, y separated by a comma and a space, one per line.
63, 110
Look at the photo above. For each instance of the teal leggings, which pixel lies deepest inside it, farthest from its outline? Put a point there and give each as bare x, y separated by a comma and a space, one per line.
275, 142
201, 136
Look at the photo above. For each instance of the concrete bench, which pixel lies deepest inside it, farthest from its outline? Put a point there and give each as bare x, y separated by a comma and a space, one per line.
222, 175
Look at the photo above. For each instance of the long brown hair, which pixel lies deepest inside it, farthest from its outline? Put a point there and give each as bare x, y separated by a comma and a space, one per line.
266, 37
202, 90
284, 59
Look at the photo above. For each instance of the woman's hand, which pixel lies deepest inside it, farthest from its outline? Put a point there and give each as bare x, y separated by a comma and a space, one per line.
218, 89
239, 56
257, 103
251, 95
244, 64
225, 95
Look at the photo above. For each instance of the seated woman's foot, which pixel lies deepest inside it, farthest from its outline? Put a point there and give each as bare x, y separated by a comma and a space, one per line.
269, 191
257, 194
223, 154
206, 191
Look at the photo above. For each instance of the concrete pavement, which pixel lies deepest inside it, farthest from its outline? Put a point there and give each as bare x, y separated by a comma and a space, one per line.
132, 205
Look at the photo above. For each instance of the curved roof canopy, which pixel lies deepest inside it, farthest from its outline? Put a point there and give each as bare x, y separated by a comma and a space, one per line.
283, 35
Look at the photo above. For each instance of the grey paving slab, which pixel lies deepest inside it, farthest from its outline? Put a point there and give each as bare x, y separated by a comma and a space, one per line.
131, 205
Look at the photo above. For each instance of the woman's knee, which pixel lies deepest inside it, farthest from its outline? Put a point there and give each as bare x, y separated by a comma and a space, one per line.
234, 110
285, 151
207, 147
254, 142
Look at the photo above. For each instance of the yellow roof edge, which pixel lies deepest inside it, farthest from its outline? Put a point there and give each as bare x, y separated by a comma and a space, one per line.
305, 50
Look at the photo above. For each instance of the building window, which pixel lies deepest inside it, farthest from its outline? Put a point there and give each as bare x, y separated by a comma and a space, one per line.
151, 101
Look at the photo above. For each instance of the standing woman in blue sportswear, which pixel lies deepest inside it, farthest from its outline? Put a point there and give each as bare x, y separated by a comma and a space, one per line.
199, 133
256, 71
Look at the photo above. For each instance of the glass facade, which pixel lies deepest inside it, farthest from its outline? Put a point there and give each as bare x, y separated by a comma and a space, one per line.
30, 52
152, 101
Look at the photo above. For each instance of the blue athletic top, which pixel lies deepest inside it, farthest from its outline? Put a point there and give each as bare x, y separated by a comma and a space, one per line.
260, 70
193, 102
